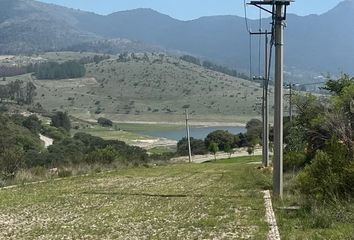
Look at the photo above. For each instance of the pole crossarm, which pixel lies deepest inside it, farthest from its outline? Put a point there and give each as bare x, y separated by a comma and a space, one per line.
261, 33
273, 3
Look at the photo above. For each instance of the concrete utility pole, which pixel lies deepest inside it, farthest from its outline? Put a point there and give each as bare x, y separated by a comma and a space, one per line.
188, 137
278, 101
279, 14
265, 112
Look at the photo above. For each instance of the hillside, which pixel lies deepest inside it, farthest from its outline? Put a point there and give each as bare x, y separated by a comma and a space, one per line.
147, 85
27, 25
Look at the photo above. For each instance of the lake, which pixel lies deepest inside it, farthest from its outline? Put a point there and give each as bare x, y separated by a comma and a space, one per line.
195, 132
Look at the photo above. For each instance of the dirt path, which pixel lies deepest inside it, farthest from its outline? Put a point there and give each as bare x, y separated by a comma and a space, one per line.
152, 143
47, 141
221, 155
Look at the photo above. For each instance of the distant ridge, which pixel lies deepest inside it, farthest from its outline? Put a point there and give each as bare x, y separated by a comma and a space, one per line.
314, 43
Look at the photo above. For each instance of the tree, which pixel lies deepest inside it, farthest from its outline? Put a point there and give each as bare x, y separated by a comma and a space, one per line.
11, 160
250, 150
61, 120
33, 124
336, 86
190, 59
221, 138
254, 131
213, 148
104, 122
30, 92
228, 149
197, 147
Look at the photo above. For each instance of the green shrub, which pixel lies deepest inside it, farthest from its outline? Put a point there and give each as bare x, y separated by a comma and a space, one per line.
221, 138
294, 161
104, 122
105, 156
55, 133
197, 147
330, 174
63, 173
11, 160
39, 171
61, 120
250, 150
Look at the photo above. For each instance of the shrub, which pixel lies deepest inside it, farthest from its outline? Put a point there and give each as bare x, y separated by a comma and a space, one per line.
213, 149
39, 171
294, 161
57, 134
329, 175
11, 160
221, 138
197, 147
104, 122
106, 155
62, 173
61, 120
33, 124
250, 150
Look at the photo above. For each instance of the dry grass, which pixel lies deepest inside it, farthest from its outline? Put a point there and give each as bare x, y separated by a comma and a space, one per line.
184, 201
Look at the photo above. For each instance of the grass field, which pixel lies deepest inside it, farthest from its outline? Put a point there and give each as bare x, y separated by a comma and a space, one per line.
205, 201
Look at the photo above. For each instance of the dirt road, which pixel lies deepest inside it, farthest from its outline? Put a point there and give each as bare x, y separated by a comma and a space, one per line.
47, 141
221, 155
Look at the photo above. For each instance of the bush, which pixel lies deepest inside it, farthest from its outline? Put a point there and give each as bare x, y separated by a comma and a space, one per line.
61, 120
39, 171
221, 138
63, 173
33, 124
106, 155
330, 174
11, 160
197, 147
104, 122
294, 161
57, 134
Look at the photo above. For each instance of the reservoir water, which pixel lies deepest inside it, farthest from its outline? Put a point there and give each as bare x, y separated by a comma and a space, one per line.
195, 132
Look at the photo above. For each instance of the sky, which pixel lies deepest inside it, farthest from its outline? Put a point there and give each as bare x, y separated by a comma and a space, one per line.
192, 9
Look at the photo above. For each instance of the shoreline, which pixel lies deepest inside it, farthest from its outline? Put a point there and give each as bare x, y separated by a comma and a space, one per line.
180, 123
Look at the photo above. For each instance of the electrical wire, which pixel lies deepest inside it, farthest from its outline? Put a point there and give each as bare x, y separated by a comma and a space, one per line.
246, 18
259, 42
250, 56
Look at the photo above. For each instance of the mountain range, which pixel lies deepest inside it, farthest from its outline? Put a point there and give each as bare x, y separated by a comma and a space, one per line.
315, 43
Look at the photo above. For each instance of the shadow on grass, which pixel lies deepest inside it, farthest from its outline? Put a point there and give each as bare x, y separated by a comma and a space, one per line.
160, 195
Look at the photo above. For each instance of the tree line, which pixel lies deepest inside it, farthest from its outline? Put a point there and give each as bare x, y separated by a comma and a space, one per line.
19, 91
215, 67
54, 70
21, 147
221, 140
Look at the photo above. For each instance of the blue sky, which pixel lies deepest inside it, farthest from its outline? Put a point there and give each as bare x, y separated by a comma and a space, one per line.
191, 9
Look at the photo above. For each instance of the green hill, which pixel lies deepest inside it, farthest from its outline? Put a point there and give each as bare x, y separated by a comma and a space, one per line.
148, 86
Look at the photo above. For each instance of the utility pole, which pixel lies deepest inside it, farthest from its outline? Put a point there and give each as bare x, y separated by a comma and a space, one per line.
278, 101
278, 13
265, 111
188, 137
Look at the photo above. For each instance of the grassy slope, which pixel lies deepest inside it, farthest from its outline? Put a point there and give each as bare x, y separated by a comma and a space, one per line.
184, 201
155, 89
